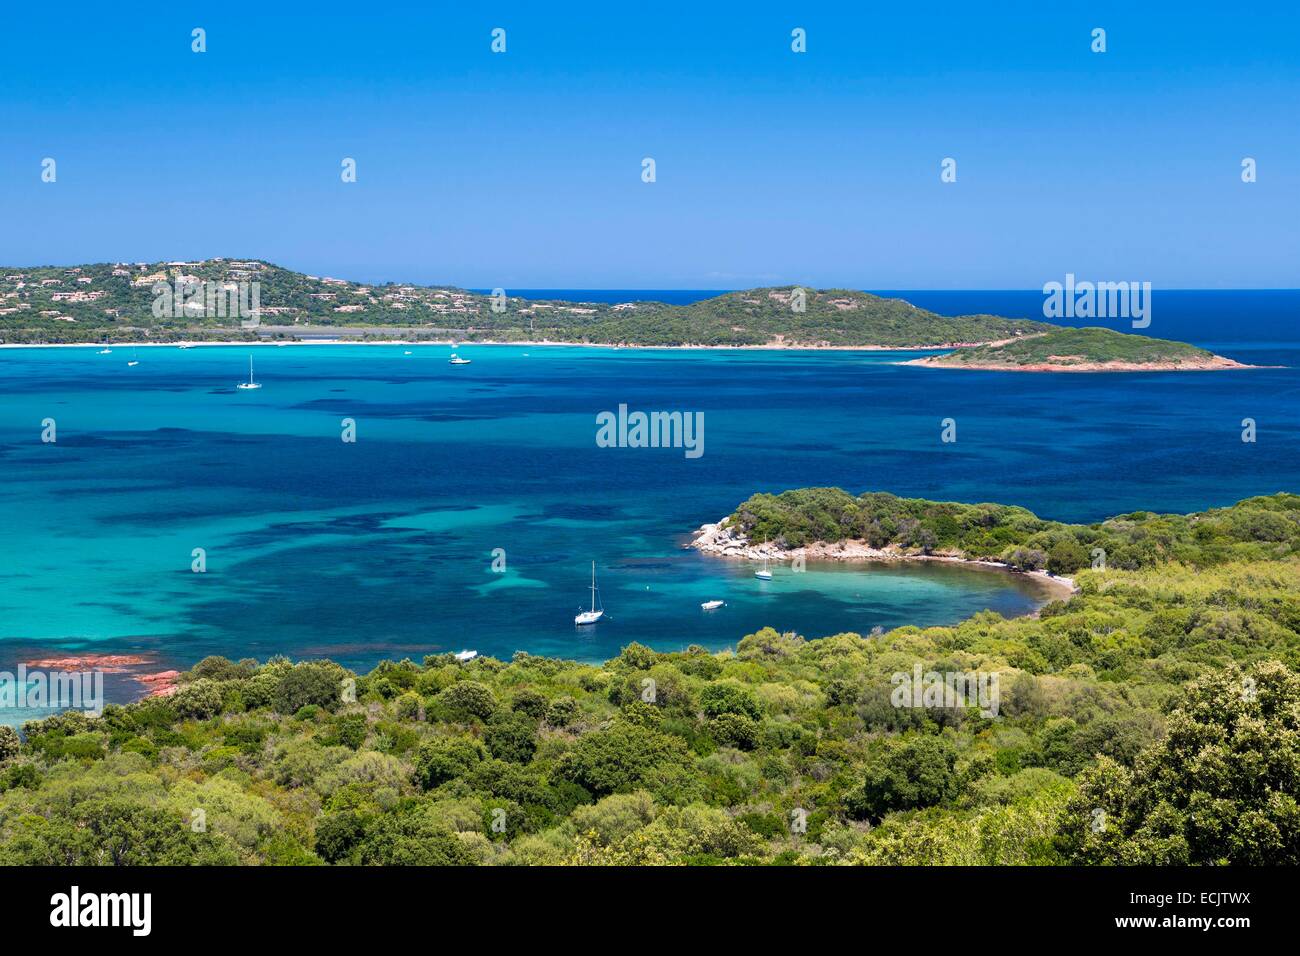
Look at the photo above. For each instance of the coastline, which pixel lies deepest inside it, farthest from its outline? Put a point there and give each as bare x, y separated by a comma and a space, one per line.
141, 668
1216, 363
720, 541
463, 343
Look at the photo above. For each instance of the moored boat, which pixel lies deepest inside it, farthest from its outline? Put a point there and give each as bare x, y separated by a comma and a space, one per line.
597, 610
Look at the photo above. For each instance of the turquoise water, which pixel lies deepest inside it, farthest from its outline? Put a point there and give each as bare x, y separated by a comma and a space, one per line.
384, 547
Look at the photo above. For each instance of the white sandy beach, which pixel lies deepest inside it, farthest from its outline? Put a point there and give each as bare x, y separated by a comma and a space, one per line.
459, 343
721, 541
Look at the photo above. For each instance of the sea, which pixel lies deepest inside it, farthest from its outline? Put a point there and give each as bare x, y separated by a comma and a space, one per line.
174, 516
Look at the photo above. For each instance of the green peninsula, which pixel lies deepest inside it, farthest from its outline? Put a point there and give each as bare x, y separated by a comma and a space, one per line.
1082, 350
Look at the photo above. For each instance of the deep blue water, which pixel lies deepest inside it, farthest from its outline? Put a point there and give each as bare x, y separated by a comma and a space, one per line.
383, 547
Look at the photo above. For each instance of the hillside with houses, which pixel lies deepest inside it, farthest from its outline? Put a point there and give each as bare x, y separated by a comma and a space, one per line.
197, 301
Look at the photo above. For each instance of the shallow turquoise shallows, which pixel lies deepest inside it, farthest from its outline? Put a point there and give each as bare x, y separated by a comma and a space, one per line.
316, 547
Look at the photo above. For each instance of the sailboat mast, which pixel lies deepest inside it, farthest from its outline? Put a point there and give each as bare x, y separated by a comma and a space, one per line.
593, 586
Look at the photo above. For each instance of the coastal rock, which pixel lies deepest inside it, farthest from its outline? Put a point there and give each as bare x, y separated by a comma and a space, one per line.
108, 663
1214, 363
714, 538
161, 684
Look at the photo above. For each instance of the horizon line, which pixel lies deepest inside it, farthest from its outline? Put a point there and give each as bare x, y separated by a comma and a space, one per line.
642, 288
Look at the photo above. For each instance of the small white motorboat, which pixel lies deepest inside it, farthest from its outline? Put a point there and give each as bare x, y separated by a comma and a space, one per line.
597, 610
457, 360
250, 384
711, 605
464, 656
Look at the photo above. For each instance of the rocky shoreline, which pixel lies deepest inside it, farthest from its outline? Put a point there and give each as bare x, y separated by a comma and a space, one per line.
137, 666
1213, 364
722, 541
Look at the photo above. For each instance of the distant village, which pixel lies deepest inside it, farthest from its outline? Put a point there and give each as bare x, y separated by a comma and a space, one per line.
248, 300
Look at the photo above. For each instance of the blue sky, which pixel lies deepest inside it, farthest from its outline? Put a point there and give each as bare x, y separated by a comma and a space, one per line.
523, 169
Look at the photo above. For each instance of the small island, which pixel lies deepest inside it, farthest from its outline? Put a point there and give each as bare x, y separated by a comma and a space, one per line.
1082, 350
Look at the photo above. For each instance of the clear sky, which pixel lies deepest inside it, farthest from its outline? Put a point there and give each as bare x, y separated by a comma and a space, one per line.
523, 169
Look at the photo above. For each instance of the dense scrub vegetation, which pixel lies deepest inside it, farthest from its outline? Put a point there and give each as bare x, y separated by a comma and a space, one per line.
1154, 718
1066, 347
838, 317
53, 304
1255, 529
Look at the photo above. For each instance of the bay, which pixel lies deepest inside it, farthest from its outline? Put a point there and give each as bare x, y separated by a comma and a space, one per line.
384, 547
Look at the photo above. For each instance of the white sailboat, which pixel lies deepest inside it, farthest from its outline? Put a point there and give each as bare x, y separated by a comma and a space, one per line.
105, 351
765, 574
597, 610
457, 360
250, 384
134, 360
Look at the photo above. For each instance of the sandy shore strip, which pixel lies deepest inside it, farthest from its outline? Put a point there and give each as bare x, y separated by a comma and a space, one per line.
721, 541
466, 343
